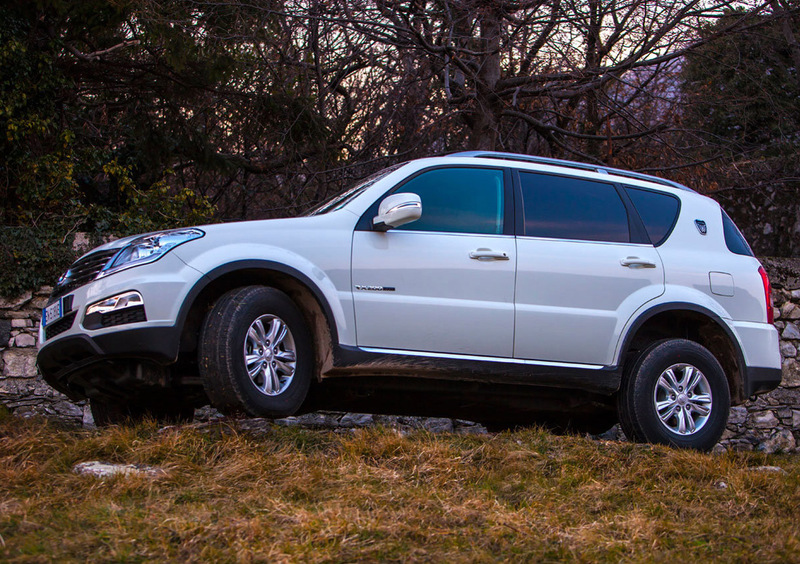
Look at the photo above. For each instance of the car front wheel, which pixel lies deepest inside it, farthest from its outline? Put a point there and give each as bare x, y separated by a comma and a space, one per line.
256, 353
675, 393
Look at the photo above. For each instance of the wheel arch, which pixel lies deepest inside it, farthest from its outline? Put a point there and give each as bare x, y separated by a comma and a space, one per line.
695, 323
308, 297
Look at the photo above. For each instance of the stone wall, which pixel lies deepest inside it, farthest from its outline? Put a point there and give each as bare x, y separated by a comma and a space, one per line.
771, 423
22, 390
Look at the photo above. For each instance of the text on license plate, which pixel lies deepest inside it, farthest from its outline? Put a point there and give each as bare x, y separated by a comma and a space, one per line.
52, 313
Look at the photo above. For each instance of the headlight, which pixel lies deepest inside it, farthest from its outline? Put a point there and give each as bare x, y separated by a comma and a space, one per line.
149, 248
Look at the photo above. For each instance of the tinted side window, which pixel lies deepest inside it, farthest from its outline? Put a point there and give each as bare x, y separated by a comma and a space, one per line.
733, 237
572, 208
458, 200
658, 212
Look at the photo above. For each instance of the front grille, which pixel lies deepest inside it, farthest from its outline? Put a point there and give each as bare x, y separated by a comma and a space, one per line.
59, 326
82, 271
123, 316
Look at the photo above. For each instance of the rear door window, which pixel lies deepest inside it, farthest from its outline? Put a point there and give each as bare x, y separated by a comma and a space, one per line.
561, 207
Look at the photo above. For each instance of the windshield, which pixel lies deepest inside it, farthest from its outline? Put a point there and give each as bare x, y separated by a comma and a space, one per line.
338, 201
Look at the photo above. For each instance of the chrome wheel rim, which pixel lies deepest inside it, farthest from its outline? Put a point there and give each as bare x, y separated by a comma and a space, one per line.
682, 399
270, 355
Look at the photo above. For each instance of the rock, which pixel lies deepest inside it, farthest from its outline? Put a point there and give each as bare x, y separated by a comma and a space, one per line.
475, 429
741, 446
782, 441
737, 415
356, 420
788, 350
17, 302
207, 413
791, 332
720, 485
763, 419
438, 425
256, 426
5, 330
775, 469
106, 470
20, 363
386, 420
796, 295
87, 419
795, 419
21, 323
25, 340
785, 396
287, 422
791, 374
309, 420
787, 308
39, 303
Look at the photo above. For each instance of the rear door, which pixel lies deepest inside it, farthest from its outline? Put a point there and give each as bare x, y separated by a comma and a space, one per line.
585, 264
444, 283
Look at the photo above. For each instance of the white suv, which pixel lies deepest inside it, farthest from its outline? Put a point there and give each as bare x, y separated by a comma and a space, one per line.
493, 286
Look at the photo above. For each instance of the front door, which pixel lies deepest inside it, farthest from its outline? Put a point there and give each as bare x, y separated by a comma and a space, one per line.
444, 283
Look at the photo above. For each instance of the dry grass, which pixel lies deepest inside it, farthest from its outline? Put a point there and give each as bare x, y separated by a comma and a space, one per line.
311, 495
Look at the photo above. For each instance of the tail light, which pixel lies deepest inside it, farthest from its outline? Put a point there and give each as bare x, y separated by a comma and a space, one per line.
767, 294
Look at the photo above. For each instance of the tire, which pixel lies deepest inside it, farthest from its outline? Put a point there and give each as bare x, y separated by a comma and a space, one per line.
242, 368
118, 412
675, 393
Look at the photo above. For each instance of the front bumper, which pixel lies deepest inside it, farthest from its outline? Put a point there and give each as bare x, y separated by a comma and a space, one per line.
114, 364
116, 352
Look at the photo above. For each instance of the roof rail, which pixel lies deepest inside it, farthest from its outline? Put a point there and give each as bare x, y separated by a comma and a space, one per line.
570, 164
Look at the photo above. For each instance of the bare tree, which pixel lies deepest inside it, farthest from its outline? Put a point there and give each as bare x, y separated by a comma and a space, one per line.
547, 76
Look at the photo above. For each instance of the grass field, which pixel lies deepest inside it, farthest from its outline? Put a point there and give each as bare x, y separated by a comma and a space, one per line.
294, 494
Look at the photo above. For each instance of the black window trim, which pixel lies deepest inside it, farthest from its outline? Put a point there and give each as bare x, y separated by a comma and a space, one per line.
666, 236
637, 233
365, 222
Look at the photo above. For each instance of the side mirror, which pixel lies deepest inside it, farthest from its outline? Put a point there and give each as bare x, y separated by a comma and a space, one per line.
397, 210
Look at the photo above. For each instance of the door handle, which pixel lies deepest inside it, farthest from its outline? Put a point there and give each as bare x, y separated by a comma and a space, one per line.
636, 262
487, 254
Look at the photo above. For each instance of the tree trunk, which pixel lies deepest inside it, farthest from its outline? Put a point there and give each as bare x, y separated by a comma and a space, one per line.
488, 106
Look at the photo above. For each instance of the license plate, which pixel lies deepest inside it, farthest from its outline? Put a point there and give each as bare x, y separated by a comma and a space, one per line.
51, 313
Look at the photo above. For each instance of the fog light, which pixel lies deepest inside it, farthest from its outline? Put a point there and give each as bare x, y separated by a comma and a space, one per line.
115, 303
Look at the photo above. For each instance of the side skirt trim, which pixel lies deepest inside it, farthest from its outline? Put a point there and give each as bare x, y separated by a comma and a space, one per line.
484, 358
355, 361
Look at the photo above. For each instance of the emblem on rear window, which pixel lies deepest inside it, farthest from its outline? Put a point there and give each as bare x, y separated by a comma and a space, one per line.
701, 226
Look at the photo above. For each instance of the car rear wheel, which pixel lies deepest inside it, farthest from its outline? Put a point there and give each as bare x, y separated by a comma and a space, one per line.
256, 353
675, 393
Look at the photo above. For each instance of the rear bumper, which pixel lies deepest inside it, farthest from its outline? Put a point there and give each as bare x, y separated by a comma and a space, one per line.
760, 348
758, 380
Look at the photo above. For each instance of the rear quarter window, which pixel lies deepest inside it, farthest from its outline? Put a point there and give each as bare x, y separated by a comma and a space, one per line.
659, 212
734, 239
